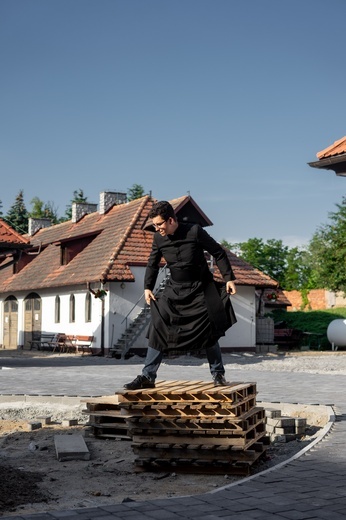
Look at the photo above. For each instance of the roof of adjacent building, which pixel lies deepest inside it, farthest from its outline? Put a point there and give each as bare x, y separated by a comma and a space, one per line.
337, 148
9, 238
332, 158
105, 247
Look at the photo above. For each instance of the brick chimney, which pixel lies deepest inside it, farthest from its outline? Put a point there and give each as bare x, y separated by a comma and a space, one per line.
79, 209
109, 198
35, 224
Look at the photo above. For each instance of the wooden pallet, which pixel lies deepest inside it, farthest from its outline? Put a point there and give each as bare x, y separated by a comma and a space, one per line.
221, 425
199, 459
106, 418
190, 391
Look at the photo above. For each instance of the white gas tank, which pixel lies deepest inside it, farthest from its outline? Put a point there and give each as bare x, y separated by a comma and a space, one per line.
336, 333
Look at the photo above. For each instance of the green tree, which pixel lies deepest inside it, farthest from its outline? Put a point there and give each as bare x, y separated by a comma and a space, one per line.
328, 251
78, 196
135, 192
299, 272
42, 209
291, 267
0, 207
230, 246
17, 215
269, 257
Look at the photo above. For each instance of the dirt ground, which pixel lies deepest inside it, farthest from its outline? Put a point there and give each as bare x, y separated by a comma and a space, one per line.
32, 480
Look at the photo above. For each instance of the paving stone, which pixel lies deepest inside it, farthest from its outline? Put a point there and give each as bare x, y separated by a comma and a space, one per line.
34, 425
71, 447
69, 422
296, 515
45, 419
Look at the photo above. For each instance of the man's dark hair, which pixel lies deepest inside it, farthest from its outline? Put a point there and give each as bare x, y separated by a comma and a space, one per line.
162, 209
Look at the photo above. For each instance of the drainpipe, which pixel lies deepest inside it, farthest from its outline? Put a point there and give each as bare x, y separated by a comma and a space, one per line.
102, 353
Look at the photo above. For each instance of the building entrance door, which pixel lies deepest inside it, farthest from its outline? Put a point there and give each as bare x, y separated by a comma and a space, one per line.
32, 317
10, 325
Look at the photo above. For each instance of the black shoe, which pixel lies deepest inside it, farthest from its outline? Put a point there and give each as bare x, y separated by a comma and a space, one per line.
138, 383
219, 379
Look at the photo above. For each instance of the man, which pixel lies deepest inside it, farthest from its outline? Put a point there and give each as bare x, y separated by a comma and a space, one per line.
193, 311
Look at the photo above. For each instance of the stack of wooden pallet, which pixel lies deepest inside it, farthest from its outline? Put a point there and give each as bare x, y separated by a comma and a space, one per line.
194, 426
188, 426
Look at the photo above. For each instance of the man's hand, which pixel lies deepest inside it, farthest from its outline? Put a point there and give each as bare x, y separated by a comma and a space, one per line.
230, 288
148, 295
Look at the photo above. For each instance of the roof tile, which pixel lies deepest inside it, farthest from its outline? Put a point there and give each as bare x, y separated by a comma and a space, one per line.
337, 148
9, 236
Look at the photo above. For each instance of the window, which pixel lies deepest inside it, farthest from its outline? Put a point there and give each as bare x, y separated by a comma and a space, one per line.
72, 309
11, 304
88, 307
72, 247
57, 309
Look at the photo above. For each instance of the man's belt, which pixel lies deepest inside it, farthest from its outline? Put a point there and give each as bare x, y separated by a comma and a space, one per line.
185, 275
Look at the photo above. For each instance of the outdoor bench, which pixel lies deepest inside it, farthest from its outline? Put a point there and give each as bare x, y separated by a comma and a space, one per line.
84, 343
287, 337
42, 340
59, 342
73, 343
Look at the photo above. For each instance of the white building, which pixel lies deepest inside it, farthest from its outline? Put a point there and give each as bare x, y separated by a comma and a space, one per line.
85, 276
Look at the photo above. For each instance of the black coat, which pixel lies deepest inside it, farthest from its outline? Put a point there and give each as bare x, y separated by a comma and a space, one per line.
193, 311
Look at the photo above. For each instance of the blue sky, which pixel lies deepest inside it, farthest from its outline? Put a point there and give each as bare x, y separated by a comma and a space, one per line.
226, 100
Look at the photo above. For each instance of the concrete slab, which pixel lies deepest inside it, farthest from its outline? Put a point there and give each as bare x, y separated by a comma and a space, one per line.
71, 447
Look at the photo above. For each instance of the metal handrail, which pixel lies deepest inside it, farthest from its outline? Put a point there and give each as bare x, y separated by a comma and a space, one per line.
127, 315
137, 302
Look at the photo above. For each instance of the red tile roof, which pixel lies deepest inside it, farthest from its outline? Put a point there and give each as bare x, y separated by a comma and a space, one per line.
114, 242
9, 238
246, 274
336, 148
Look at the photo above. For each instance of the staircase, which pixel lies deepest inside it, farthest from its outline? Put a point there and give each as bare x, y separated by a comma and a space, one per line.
135, 328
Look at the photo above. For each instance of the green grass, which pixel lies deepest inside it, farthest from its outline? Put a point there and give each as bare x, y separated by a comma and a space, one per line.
311, 321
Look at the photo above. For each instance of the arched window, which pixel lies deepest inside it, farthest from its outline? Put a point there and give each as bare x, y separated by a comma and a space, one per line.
72, 309
11, 304
88, 307
57, 309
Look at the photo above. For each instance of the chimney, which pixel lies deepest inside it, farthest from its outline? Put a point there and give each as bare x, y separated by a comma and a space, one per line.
109, 198
79, 209
35, 224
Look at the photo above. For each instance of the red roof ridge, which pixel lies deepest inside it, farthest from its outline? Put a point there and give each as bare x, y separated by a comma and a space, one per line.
126, 234
334, 149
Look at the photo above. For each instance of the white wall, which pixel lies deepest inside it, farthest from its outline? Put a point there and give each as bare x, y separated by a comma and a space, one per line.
125, 304
243, 333
79, 327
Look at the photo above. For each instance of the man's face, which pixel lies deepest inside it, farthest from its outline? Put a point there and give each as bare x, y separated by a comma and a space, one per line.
165, 227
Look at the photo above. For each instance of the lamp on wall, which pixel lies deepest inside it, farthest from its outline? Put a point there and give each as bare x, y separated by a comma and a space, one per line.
122, 285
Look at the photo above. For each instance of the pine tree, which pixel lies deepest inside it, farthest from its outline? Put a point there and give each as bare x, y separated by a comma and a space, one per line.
135, 192
17, 215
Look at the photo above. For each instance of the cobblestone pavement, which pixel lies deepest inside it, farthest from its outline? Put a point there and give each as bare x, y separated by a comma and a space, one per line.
309, 487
